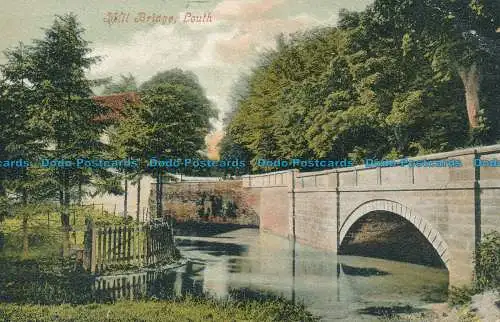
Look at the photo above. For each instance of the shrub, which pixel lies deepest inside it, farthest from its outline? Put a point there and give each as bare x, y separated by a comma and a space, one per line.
486, 272
460, 295
487, 263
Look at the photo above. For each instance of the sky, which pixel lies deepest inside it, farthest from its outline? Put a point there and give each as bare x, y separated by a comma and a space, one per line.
217, 51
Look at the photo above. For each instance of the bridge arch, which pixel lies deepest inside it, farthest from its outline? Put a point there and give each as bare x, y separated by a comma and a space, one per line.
422, 225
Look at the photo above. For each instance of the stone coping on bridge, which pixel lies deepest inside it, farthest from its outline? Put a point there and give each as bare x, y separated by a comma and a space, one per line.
375, 177
268, 173
434, 156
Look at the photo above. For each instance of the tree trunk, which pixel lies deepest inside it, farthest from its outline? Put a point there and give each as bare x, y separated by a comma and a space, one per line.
64, 202
24, 199
80, 192
125, 200
64, 199
138, 210
159, 195
470, 79
65, 211
160, 215
25, 237
157, 191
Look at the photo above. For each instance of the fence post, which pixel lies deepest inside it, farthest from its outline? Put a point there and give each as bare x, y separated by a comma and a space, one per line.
92, 248
146, 244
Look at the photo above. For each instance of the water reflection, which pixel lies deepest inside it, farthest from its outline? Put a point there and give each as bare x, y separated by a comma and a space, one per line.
335, 287
160, 284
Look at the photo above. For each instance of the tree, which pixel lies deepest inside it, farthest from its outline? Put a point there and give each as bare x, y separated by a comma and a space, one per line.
421, 113
19, 138
125, 84
458, 38
64, 110
230, 150
171, 122
173, 76
239, 91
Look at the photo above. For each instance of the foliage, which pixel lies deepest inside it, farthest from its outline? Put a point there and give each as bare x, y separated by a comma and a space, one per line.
18, 139
172, 120
460, 295
457, 39
118, 150
127, 83
486, 272
487, 263
464, 314
230, 150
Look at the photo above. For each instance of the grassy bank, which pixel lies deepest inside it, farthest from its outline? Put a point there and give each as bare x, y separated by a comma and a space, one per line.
34, 232
187, 309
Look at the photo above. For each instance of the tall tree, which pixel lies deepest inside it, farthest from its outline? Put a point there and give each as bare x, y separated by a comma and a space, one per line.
458, 37
19, 138
171, 122
127, 83
65, 110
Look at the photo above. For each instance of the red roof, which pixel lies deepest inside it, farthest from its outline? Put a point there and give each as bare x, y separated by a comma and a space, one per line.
116, 104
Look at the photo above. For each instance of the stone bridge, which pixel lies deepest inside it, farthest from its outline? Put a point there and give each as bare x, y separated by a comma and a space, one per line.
451, 206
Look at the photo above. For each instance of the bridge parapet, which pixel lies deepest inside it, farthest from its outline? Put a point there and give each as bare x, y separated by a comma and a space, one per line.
272, 179
410, 177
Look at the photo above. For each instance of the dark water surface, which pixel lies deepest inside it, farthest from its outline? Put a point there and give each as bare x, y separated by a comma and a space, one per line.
242, 263
359, 288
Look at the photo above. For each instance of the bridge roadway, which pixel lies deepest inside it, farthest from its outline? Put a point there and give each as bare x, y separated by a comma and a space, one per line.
451, 206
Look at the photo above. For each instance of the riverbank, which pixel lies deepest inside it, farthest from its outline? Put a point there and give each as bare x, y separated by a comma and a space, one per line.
186, 309
483, 307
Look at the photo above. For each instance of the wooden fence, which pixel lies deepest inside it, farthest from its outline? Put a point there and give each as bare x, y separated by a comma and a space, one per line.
112, 247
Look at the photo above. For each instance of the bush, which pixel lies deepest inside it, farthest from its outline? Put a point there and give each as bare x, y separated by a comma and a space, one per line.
487, 263
486, 272
460, 295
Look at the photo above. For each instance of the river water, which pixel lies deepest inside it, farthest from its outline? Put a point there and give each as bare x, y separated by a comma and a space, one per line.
345, 288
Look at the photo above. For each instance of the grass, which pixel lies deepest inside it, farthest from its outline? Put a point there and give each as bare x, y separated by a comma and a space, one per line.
43, 236
185, 309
